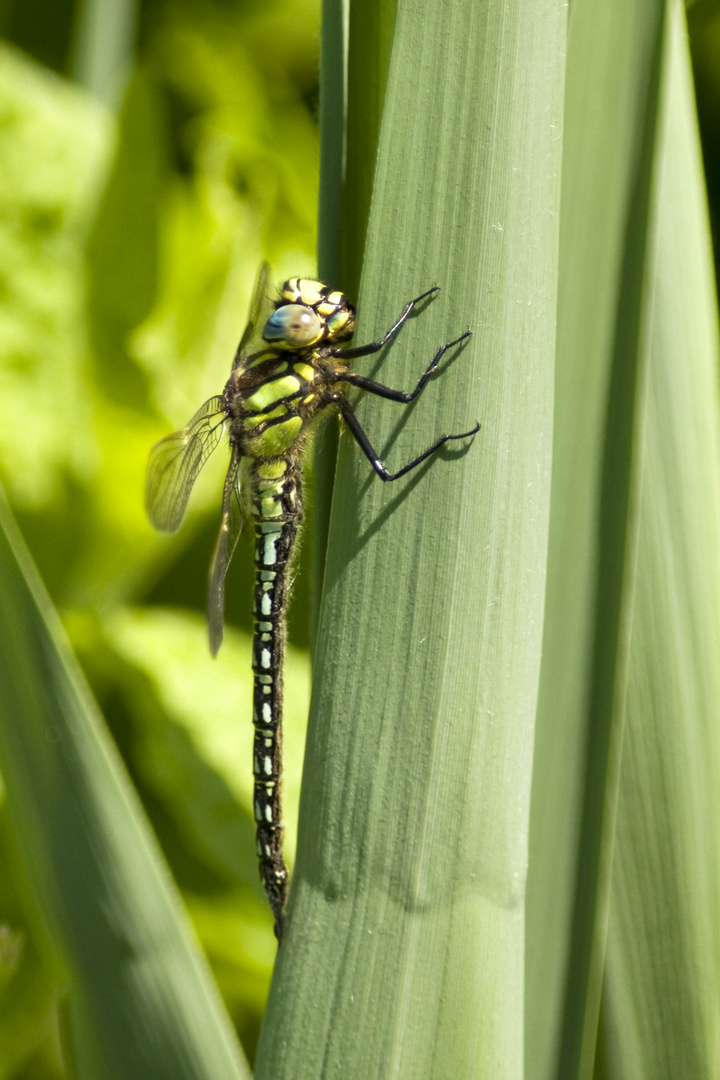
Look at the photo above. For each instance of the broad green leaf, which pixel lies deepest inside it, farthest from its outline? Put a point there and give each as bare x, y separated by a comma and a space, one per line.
662, 982
332, 119
370, 35
350, 116
635, 304
404, 949
333, 165
140, 1001
610, 115
28, 990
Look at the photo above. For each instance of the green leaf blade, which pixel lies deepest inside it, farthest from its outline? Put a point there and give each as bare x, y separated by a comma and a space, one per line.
605, 842
662, 990
140, 1000
404, 953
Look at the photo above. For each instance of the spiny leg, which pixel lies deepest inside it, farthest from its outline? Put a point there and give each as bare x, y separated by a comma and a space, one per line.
353, 353
380, 390
366, 446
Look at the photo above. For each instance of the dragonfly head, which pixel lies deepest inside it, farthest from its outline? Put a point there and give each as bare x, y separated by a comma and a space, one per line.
309, 313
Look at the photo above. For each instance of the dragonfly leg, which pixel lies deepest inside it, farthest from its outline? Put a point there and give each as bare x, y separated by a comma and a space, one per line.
400, 395
361, 438
353, 353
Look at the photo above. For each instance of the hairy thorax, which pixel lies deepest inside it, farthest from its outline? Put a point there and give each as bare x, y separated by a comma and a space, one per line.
272, 401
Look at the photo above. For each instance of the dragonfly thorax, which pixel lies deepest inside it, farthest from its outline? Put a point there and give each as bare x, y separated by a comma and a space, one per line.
271, 403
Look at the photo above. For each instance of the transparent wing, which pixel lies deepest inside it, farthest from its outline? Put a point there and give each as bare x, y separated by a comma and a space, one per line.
260, 309
230, 528
175, 462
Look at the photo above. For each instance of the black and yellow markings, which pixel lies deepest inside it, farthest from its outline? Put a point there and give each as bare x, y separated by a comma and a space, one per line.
291, 363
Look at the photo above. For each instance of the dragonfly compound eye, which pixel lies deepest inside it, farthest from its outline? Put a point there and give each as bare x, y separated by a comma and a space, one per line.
293, 326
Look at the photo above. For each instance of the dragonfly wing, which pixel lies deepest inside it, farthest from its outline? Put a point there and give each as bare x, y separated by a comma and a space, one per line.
230, 528
259, 311
175, 462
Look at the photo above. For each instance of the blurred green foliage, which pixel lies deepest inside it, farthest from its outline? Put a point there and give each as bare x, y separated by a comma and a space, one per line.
129, 244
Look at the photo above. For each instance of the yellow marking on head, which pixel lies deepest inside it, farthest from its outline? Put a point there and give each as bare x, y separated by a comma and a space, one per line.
311, 292
290, 290
335, 298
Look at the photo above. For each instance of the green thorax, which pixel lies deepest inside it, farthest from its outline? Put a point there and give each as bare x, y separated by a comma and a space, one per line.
271, 404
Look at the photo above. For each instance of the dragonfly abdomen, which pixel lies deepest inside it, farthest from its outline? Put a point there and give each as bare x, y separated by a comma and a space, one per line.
276, 505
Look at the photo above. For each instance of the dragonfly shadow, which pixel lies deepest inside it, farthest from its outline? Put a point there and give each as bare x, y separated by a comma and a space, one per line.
448, 453
355, 538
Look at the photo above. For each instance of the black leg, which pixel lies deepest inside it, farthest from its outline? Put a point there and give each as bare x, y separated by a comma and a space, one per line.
375, 346
399, 395
366, 446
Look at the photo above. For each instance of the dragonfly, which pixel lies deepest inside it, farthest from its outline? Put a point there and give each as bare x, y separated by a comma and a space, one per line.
292, 363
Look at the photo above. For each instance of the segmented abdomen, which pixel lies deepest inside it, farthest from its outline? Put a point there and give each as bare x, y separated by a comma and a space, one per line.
276, 506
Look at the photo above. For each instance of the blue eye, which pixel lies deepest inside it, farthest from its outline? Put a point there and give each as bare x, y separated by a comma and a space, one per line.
293, 325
